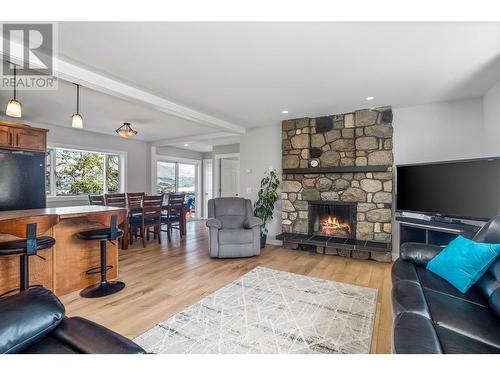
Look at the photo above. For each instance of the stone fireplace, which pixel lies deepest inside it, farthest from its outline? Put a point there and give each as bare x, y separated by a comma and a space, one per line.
338, 179
334, 219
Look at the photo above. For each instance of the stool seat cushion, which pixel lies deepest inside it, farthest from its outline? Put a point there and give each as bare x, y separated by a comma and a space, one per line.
19, 246
98, 234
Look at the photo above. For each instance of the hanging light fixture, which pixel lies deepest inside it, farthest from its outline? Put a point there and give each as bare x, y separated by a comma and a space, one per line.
126, 130
77, 119
14, 107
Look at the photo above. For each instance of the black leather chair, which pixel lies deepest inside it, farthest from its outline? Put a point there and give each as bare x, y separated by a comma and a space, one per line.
33, 322
111, 233
431, 316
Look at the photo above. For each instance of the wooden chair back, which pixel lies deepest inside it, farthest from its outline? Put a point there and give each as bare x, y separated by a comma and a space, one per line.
135, 199
151, 207
116, 200
105, 218
19, 227
175, 203
96, 200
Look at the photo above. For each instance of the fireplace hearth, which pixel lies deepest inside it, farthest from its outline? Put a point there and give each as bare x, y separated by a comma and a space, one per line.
333, 219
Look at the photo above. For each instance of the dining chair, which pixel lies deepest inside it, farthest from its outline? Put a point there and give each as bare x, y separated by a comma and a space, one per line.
172, 215
135, 198
96, 200
150, 217
115, 200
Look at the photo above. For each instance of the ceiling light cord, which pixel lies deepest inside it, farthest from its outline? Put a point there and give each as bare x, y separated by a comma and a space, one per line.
15, 82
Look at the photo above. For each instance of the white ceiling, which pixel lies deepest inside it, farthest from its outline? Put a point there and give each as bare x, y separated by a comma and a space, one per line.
246, 73
101, 113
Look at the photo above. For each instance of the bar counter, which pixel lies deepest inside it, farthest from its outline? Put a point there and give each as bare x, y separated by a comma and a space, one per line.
63, 269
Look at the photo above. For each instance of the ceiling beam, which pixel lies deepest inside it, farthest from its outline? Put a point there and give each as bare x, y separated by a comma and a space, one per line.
192, 138
71, 72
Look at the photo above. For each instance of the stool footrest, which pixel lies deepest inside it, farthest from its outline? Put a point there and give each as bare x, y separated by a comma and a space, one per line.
97, 270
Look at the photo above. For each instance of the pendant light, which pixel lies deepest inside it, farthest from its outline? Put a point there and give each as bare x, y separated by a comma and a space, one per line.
76, 119
14, 107
126, 130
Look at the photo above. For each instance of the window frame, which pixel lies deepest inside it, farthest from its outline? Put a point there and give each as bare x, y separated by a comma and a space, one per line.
155, 158
122, 174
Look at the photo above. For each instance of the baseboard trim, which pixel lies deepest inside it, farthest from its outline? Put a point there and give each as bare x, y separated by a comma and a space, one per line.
275, 242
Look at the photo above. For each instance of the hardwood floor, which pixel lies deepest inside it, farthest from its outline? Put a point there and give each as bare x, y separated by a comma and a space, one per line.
163, 280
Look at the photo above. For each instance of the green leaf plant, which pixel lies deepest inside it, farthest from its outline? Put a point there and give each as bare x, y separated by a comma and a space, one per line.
266, 198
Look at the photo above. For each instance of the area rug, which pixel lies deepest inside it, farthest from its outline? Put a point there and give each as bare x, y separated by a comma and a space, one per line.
271, 311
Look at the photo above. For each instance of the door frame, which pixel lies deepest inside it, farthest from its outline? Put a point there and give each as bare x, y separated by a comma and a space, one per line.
205, 200
174, 159
217, 159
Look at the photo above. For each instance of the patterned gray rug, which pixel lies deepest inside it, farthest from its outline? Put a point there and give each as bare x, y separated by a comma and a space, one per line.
270, 311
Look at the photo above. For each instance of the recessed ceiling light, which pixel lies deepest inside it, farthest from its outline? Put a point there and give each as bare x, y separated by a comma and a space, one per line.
186, 144
284, 111
370, 98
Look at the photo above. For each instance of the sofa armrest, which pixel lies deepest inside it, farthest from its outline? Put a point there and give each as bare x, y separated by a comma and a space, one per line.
418, 253
91, 338
252, 222
28, 317
214, 223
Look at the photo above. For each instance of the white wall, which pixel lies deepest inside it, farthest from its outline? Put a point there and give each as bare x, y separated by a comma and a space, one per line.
260, 149
438, 131
491, 117
178, 152
137, 179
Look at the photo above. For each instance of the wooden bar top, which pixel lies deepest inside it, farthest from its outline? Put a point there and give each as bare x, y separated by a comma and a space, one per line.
63, 212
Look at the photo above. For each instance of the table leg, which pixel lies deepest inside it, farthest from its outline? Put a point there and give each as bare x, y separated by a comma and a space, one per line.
125, 237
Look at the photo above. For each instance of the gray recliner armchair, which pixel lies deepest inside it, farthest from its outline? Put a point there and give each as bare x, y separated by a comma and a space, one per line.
234, 231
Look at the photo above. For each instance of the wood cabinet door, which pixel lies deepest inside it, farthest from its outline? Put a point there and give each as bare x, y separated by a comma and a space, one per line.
5, 136
30, 139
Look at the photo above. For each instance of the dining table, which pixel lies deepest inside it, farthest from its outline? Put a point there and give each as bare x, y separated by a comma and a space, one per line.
136, 208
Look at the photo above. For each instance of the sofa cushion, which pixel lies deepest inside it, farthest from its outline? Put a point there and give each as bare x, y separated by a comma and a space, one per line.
407, 296
468, 319
28, 317
454, 343
235, 236
414, 334
50, 345
431, 281
463, 262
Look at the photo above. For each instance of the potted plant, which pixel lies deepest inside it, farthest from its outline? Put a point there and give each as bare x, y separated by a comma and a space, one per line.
266, 199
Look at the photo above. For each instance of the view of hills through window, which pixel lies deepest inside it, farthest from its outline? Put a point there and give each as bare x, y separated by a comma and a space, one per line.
74, 172
172, 177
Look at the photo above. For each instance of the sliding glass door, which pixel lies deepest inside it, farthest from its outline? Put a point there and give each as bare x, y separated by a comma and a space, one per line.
178, 177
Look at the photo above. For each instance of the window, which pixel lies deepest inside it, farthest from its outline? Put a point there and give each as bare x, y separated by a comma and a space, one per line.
76, 172
181, 177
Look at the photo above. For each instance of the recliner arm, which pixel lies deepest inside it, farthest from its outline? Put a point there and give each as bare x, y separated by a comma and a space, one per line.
214, 223
252, 222
91, 338
418, 253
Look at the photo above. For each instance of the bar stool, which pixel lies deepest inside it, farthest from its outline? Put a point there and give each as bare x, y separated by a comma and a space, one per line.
111, 233
30, 230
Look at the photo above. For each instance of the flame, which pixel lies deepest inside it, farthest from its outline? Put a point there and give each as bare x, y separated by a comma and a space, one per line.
331, 225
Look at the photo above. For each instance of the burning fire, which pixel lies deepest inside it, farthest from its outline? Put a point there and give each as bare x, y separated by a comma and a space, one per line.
332, 226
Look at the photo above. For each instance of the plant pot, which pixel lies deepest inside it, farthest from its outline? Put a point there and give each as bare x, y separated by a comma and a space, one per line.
263, 238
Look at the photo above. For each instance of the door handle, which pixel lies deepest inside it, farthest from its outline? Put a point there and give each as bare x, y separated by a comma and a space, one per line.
10, 139
17, 139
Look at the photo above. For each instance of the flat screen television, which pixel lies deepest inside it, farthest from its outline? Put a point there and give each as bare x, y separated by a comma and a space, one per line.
466, 189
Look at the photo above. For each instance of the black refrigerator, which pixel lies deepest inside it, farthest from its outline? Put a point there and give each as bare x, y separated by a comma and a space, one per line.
22, 180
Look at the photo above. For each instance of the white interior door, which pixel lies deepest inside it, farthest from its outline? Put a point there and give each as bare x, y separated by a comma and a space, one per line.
207, 184
229, 177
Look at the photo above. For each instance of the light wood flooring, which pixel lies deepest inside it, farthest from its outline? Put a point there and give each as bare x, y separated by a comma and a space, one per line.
163, 280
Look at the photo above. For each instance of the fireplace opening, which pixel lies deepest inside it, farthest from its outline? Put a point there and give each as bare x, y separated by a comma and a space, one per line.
334, 219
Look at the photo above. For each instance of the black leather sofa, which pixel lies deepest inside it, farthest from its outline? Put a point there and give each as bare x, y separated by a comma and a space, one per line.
431, 316
33, 322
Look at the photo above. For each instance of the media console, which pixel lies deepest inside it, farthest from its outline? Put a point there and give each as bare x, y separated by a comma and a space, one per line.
432, 232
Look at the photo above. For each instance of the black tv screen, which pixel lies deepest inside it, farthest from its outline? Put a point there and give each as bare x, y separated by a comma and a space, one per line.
468, 189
